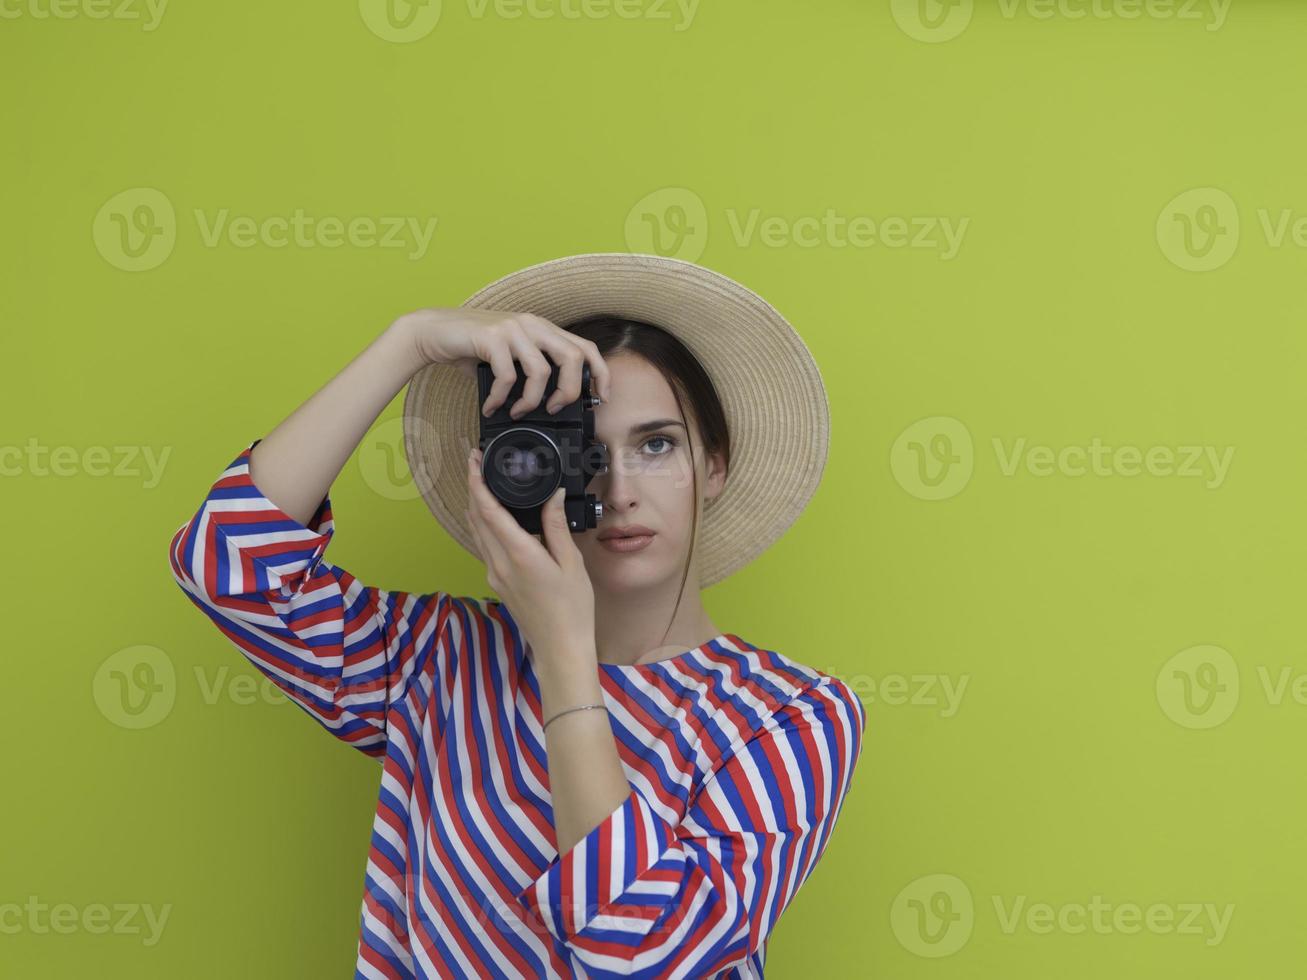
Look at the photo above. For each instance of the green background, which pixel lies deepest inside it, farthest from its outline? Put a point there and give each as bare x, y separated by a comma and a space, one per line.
1072, 766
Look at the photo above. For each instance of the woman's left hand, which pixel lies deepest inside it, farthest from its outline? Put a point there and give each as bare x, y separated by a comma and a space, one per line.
543, 580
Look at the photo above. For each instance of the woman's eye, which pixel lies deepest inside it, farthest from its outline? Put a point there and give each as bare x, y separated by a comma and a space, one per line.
671, 444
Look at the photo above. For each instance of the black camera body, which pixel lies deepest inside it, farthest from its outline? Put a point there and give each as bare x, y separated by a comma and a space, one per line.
524, 460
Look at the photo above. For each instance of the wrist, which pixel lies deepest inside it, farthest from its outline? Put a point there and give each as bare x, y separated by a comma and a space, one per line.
592, 706
401, 337
568, 677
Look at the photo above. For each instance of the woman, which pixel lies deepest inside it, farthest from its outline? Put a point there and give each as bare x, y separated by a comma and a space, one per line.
573, 784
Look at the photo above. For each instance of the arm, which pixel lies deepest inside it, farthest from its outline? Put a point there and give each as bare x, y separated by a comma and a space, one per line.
251, 558
643, 894
297, 462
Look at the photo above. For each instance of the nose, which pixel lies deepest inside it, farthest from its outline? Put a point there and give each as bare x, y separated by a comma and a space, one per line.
616, 487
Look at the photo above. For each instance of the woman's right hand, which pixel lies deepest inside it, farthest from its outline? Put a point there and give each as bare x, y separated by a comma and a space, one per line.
463, 336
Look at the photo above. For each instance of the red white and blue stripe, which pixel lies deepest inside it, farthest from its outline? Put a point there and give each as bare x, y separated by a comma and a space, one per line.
738, 758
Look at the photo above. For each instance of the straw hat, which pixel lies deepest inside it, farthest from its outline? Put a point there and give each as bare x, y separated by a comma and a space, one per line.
770, 389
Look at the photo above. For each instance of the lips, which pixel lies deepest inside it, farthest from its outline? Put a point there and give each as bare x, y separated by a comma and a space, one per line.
629, 531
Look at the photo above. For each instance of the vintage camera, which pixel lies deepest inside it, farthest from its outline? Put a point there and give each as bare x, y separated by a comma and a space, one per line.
524, 460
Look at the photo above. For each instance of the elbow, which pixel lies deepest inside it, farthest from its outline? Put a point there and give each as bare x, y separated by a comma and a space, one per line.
189, 579
177, 548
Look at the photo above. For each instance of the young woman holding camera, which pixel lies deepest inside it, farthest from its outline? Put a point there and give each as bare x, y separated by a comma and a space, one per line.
573, 782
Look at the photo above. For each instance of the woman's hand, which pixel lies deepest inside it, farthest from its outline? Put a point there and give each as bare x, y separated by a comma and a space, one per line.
464, 336
543, 580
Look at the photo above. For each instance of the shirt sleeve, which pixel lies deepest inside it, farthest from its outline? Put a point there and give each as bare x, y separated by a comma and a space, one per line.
644, 895
343, 651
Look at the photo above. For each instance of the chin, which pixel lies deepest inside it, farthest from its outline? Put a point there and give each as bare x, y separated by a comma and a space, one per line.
618, 573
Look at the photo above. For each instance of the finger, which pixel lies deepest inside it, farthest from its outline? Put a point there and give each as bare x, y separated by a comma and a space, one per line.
600, 375
569, 357
500, 356
476, 535
537, 371
492, 550
498, 526
553, 523
551, 335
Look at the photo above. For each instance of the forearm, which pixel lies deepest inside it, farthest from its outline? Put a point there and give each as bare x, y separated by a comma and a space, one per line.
586, 779
296, 463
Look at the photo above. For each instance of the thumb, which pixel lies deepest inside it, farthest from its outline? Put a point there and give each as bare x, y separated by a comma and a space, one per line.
553, 521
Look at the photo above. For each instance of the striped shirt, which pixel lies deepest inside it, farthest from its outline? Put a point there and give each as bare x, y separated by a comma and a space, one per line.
738, 759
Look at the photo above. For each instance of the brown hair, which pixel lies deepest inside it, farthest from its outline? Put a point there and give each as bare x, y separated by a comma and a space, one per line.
689, 383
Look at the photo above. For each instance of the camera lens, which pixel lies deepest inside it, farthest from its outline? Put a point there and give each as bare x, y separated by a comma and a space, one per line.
523, 467
520, 467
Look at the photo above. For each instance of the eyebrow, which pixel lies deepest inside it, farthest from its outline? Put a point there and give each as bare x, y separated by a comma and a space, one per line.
655, 424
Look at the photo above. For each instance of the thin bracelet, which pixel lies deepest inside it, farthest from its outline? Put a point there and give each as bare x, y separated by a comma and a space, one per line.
580, 707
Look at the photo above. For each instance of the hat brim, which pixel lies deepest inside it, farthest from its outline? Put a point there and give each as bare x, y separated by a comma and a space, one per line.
769, 385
